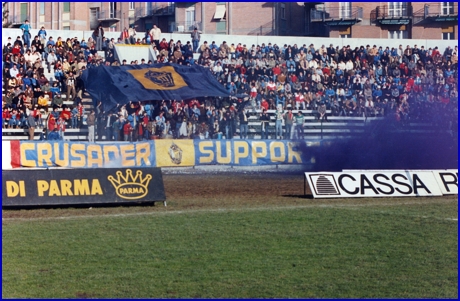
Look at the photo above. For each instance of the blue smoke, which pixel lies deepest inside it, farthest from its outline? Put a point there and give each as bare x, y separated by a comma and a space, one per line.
383, 146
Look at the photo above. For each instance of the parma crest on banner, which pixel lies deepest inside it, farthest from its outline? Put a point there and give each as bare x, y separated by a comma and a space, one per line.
117, 85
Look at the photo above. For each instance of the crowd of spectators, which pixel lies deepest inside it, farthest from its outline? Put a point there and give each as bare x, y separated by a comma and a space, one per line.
405, 84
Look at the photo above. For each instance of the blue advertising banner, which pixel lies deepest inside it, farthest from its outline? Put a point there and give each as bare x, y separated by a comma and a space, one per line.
249, 152
86, 155
164, 153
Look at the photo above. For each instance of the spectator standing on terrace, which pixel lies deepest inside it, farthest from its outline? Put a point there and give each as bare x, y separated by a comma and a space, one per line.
42, 35
243, 124
32, 125
26, 33
128, 131
195, 35
322, 112
116, 128
299, 125
60, 124
110, 120
279, 114
98, 34
265, 119
125, 36
91, 121
70, 83
51, 124
288, 122
155, 32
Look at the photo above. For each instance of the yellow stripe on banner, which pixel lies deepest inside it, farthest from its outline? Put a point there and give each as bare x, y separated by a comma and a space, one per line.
171, 153
164, 78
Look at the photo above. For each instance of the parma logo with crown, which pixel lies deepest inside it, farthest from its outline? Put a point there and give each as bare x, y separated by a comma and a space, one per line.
164, 78
130, 187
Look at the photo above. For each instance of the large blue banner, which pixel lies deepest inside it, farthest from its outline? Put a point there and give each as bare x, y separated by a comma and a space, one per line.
115, 86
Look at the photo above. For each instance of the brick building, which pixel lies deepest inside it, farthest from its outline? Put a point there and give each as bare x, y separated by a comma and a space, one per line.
113, 16
253, 18
242, 18
385, 20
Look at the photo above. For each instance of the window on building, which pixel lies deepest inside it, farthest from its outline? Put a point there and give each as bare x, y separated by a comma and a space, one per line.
345, 32
448, 33
42, 8
148, 8
220, 11
93, 17
66, 8
112, 9
171, 7
345, 9
320, 7
447, 8
398, 34
397, 9
448, 36
190, 18
221, 27
24, 11
131, 5
66, 27
283, 11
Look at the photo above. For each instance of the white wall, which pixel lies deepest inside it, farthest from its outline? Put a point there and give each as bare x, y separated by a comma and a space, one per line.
249, 40
132, 53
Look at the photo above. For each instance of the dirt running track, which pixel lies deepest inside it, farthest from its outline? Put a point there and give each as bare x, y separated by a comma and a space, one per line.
212, 191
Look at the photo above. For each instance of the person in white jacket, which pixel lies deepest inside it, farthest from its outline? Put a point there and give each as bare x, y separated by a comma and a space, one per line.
155, 32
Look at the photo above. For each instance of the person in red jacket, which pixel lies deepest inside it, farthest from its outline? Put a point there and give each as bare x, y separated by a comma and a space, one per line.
276, 72
264, 104
60, 125
6, 116
128, 131
164, 45
51, 123
65, 114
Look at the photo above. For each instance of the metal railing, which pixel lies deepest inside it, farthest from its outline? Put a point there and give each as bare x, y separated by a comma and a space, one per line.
164, 10
186, 26
438, 9
336, 13
109, 15
17, 19
138, 13
263, 30
435, 10
386, 12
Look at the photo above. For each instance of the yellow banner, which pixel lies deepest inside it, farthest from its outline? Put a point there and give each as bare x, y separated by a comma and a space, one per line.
164, 78
174, 153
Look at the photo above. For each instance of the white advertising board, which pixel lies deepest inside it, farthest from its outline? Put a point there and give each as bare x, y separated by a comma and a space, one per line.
447, 180
373, 184
6, 155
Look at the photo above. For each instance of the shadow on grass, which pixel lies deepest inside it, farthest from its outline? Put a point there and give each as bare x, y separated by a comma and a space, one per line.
95, 205
298, 196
